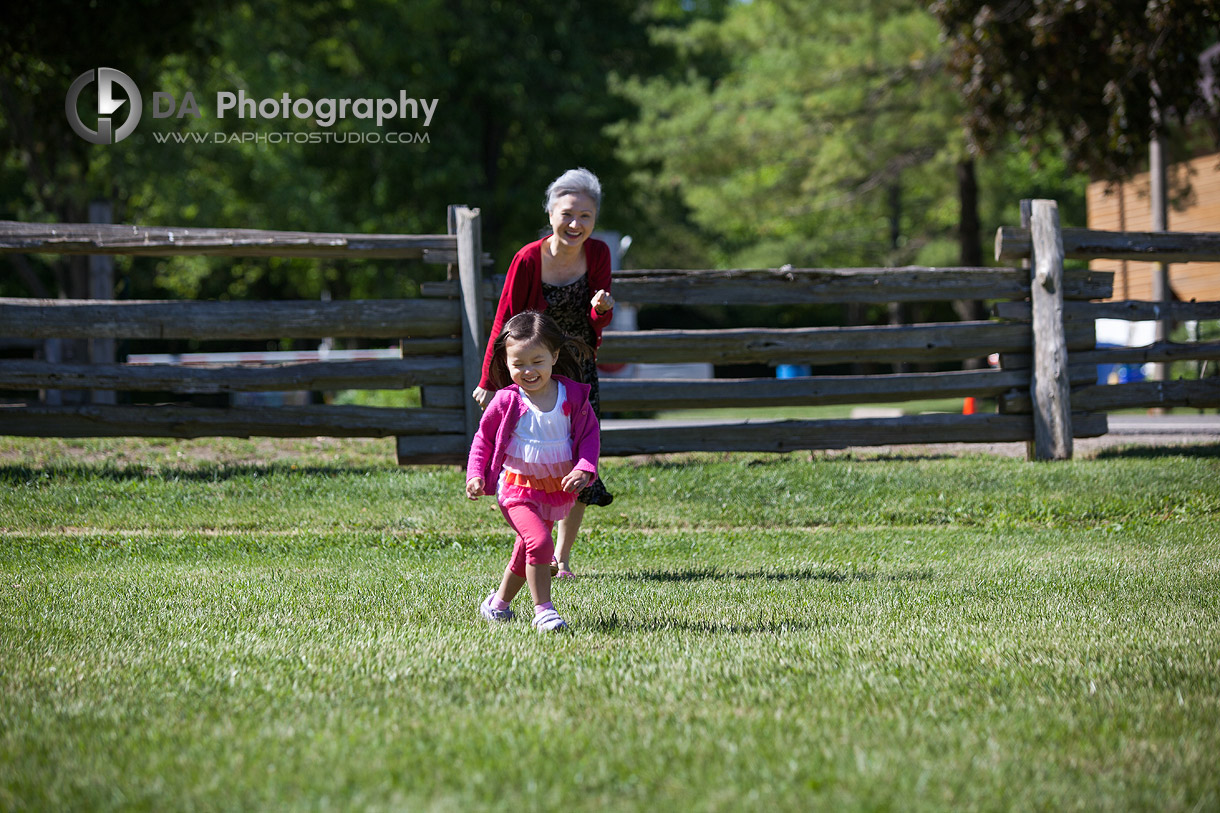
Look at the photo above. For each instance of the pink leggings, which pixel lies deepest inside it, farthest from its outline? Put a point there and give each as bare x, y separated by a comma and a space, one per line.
535, 544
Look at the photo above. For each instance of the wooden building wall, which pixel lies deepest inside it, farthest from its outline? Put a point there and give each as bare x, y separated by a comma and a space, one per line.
1125, 206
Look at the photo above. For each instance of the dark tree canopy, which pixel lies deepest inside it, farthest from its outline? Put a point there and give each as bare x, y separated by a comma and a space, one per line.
522, 95
1094, 75
48, 44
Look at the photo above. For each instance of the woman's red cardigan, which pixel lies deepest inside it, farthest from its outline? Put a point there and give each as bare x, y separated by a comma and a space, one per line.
523, 292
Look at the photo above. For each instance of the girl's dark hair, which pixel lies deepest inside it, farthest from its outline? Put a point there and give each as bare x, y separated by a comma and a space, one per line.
529, 326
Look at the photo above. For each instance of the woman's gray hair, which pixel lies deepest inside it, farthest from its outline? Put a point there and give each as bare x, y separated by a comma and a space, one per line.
574, 181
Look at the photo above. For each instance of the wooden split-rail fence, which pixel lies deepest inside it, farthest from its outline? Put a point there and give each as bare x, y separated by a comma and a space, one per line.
1042, 328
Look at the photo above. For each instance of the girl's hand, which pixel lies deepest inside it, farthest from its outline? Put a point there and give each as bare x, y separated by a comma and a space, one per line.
576, 480
602, 301
474, 488
482, 397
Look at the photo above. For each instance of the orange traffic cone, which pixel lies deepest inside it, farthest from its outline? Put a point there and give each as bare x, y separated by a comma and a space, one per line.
968, 405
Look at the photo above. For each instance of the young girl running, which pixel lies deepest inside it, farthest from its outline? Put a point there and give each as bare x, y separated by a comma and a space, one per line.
536, 448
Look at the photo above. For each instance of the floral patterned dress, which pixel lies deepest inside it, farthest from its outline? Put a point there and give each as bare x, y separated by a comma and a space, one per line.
569, 306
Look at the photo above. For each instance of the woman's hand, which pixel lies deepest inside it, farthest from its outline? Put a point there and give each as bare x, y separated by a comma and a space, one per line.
474, 488
482, 397
576, 480
602, 301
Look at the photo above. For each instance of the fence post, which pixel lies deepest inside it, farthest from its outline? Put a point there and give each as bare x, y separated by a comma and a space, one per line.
1049, 385
1162, 292
470, 277
451, 222
52, 353
1027, 208
101, 286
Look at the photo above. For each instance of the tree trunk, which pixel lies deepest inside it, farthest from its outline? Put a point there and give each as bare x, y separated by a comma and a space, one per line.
971, 246
897, 311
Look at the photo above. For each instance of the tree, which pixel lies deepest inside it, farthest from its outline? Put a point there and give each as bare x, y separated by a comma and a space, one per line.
1095, 78
46, 45
521, 90
828, 136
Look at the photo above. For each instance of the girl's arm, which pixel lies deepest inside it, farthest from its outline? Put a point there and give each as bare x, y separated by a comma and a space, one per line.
481, 447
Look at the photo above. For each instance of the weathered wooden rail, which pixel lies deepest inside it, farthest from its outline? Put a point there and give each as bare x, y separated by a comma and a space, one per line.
172, 241
947, 341
790, 436
198, 422
1042, 329
88, 319
818, 286
428, 331
391, 374
1089, 244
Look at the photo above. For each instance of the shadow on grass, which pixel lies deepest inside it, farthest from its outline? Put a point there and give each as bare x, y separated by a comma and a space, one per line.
616, 623
805, 574
863, 454
207, 473
1154, 452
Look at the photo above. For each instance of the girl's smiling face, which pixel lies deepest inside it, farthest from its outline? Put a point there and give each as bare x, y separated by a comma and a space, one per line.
572, 218
530, 364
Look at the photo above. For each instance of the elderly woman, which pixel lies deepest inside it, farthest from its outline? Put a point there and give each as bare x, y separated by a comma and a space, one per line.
566, 274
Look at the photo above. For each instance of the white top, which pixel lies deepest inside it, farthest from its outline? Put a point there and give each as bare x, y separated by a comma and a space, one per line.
542, 443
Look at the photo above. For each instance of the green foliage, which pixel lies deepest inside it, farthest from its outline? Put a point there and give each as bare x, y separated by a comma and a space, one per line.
45, 47
1093, 78
789, 155
400, 399
1204, 330
47, 173
820, 134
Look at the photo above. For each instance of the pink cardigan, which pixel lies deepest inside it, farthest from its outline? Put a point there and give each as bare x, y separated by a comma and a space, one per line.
499, 422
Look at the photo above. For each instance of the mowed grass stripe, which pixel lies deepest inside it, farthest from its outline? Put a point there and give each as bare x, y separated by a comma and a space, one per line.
738, 493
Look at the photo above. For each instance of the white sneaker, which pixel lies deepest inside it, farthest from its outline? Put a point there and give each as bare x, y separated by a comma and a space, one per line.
549, 621
491, 613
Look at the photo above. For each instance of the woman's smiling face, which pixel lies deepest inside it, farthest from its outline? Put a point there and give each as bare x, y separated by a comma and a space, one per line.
530, 364
572, 218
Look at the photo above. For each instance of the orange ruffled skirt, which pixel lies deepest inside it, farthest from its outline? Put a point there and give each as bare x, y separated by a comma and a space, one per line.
539, 484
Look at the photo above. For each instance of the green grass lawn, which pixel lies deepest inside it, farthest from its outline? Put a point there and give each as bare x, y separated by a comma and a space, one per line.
232, 625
